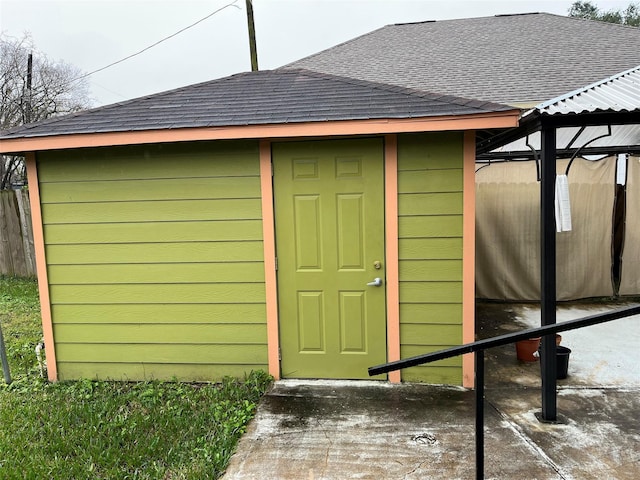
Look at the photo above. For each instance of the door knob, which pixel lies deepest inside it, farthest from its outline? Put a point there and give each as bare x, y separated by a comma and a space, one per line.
376, 282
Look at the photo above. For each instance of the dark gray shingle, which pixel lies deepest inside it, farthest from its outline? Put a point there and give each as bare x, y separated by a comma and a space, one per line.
258, 98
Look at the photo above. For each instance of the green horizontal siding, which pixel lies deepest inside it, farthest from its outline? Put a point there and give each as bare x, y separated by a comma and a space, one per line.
432, 181
177, 293
152, 211
172, 161
156, 189
432, 313
162, 353
160, 313
430, 151
430, 206
449, 203
150, 252
445, 248
155, 260
430, 292
448, 371
161, 232
239, 272
193, 334
414, 350
415, 334
155, 371
430, 226
437, 270
433, 374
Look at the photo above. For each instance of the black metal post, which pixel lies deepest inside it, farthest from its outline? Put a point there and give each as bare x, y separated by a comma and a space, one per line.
479, 356
548, 269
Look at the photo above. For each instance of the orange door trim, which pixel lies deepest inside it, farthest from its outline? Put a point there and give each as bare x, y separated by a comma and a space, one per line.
391, 254
269, 245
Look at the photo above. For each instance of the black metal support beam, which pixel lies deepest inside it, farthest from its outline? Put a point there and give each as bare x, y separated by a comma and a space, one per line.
548, 269
479, 356
560, 153
534, 122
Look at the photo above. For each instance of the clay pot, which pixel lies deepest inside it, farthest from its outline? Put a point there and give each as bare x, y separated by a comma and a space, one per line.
525, 349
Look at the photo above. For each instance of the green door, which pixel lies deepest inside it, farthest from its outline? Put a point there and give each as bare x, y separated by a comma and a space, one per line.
329, 208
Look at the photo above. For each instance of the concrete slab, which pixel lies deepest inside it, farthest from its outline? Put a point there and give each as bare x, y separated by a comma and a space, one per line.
308, 430
374, 430
598, 434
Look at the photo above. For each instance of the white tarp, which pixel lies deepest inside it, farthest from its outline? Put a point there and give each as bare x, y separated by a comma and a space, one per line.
508, 231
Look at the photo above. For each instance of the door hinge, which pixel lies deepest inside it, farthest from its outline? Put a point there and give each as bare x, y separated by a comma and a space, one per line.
272, 169
276, 264
279, 354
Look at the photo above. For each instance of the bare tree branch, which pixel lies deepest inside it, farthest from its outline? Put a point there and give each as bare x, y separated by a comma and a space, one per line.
53, 92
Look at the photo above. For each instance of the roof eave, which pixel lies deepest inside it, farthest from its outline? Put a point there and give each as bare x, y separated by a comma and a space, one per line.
486, 120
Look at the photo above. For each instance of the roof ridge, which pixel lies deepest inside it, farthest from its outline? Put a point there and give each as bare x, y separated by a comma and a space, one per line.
595, 20
453, 99
501, 15
444, 20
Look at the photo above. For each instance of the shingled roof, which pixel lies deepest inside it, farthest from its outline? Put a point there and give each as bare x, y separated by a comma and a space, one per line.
512, 59
259, 98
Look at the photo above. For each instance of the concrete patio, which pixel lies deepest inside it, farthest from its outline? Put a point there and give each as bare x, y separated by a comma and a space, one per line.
375, 430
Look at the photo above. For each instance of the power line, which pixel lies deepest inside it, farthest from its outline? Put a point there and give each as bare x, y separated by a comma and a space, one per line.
232, 4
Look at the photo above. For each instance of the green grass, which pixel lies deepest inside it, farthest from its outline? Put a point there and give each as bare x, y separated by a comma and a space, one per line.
97, 429
20, 322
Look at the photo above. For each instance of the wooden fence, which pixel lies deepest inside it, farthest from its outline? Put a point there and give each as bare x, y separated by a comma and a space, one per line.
16, 235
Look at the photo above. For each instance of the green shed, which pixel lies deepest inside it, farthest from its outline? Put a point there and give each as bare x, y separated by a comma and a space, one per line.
301, 223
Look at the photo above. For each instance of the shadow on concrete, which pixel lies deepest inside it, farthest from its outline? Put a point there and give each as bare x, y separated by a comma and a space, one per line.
374, 430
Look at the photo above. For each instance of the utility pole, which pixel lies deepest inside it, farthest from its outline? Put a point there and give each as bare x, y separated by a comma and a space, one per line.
252, 37
27, 115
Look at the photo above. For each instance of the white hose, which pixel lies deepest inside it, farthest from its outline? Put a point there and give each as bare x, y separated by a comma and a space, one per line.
41, 363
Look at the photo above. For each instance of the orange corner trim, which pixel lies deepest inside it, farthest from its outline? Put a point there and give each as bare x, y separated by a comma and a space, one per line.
41, 266
469, 256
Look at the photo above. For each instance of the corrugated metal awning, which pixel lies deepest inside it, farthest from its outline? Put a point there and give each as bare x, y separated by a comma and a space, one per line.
602, 117
619, 93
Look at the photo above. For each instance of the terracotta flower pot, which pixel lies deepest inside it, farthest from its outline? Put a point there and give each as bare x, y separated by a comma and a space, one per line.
525, 349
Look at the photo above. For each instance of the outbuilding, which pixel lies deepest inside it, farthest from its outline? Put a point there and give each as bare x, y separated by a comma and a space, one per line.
307, 224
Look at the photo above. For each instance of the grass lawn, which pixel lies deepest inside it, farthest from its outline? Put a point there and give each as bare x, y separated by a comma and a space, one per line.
95, 429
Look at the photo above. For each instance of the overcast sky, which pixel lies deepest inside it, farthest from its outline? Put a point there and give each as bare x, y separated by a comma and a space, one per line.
93, 33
